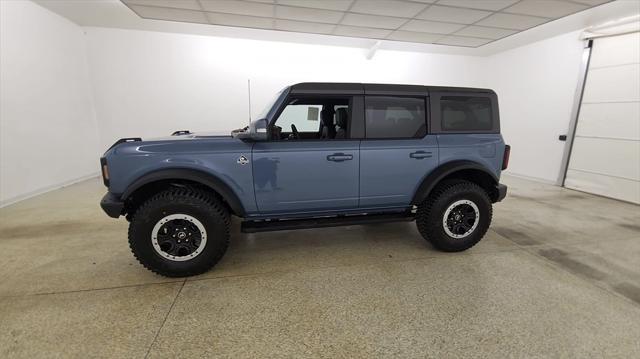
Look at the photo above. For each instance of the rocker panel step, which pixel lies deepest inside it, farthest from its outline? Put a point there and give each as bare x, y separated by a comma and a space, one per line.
290, 224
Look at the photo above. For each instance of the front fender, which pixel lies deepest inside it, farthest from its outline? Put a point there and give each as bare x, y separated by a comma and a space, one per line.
213, 162
206, 179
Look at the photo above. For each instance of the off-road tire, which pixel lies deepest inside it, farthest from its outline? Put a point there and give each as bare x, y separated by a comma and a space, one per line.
430, 214
198, 203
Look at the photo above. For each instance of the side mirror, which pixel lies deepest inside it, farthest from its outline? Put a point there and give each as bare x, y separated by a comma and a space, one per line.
258, 130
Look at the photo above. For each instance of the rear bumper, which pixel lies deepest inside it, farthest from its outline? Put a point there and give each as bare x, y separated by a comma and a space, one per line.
502, 192
112, 205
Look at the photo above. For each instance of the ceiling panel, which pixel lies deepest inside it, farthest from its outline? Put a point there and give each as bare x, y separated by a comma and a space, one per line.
462, 41
592, 2
414, 36
545, 8
388, 7
374, 21
306, 14
453, 14
301, 26
338, 5
238, 7
511, 21
354, 31
178, 4
431, 26
165, 13
239, 20
469, 23
493, 5
485, 32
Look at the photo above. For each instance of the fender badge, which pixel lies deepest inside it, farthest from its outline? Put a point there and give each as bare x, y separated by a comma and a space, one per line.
243, 160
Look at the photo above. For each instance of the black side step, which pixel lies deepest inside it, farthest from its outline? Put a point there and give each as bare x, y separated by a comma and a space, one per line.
289, 224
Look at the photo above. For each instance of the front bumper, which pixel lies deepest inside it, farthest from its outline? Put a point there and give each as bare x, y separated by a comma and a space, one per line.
502, 192
112, 205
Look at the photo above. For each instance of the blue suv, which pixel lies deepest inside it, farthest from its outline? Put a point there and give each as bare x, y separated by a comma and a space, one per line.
321, 154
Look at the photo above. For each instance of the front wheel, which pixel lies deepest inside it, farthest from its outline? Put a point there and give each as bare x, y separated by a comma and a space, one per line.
455, 216
180, 232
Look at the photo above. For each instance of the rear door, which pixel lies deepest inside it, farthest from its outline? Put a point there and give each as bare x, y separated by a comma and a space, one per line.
396, 153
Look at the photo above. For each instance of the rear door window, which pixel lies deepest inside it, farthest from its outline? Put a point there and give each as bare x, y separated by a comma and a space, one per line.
395, 117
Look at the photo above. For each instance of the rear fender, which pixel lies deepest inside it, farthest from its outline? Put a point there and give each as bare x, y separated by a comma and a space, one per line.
446, 170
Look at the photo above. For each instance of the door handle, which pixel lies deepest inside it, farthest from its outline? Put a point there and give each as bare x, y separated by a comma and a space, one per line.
420, 155
339, 157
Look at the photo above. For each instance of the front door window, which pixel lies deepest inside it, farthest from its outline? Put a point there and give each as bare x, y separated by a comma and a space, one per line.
313, 119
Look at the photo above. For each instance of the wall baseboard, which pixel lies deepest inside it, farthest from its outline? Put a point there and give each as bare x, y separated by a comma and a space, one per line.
530, 178
46, 189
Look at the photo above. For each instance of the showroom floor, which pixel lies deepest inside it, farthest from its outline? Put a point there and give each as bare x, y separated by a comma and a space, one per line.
557, 275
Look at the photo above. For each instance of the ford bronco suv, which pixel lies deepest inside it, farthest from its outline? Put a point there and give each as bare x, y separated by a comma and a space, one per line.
322, 154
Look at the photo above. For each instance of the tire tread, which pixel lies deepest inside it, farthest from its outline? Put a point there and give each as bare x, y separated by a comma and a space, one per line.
429, 219
191, 196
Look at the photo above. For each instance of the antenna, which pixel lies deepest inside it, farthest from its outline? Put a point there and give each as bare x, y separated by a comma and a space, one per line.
249, 90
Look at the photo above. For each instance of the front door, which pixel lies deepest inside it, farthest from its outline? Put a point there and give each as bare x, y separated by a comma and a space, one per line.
304, 168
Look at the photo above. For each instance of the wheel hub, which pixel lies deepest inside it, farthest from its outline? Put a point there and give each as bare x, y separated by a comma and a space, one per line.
178, 237
461, 219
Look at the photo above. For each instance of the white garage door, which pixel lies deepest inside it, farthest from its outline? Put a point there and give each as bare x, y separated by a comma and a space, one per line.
605, 158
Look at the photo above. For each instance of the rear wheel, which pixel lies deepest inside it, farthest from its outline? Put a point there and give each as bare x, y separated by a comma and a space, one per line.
180, 232
455, 216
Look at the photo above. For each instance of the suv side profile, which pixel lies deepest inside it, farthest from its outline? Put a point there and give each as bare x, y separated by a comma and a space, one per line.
321, 154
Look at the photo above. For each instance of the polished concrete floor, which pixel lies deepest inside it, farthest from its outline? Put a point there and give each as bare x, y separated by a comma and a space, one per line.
558, 275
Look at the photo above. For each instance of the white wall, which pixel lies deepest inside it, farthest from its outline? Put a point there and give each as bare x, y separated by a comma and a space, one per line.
536, 87
48, 132
153, 83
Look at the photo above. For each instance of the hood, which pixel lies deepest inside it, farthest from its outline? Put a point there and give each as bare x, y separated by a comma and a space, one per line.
188, 141
184, 135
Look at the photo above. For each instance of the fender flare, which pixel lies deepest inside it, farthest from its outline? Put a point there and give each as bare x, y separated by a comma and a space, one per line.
433, 178
211, 181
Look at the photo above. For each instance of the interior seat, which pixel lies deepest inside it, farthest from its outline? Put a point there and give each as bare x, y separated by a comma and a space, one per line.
342, 117
328, 128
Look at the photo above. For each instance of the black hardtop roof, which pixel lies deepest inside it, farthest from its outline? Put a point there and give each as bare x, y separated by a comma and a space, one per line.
375, 89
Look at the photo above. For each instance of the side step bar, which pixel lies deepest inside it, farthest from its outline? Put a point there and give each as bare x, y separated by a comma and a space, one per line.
289, 224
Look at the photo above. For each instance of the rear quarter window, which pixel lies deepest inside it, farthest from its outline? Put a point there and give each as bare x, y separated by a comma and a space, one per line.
466, 113
395, 117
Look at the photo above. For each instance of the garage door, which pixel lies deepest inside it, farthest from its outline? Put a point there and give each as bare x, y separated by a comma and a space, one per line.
605, 158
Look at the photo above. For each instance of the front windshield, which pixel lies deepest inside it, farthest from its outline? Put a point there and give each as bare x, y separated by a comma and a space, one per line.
265, 111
